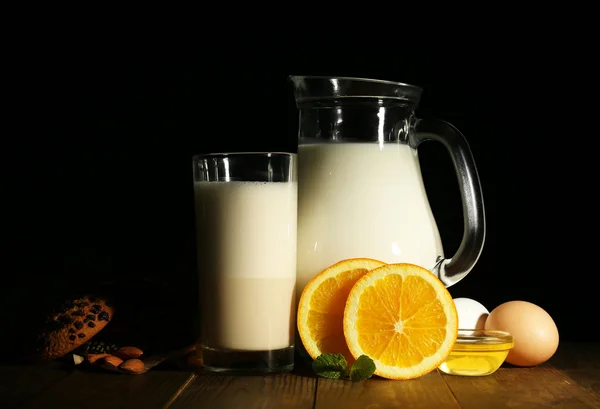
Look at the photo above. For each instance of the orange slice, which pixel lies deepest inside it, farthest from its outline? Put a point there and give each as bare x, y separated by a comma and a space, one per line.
403, 318
322, 303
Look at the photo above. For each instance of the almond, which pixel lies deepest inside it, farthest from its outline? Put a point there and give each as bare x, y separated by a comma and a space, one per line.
92, 358
109, 363
126, 353
112, 360
134, 366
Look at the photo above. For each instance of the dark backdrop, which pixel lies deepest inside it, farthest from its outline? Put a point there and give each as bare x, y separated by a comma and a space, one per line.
99, 185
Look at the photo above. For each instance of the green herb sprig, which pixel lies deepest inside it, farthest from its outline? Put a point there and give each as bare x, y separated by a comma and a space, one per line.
335, 366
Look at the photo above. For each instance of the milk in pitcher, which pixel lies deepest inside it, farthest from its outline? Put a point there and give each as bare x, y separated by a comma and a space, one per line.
349, 197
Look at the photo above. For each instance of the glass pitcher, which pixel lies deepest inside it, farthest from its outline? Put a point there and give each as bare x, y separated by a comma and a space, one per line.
360, 188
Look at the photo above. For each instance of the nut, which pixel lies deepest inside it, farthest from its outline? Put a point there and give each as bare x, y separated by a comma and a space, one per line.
77, 359
110, 363
126, 353
92, 358
133, 366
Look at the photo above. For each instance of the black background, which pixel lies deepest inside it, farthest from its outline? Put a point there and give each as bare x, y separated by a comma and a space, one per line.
99, 180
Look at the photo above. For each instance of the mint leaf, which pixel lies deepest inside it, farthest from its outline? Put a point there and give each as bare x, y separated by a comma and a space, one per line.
362, 369
331, 366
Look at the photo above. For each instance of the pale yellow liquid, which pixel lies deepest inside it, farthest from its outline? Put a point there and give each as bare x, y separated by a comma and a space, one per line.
247, 264
362, 200
475, 359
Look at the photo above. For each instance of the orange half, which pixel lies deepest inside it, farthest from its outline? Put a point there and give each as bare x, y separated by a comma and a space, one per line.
321, 307
403, 317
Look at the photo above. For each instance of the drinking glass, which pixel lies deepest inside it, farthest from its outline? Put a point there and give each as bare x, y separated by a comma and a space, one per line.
246, 216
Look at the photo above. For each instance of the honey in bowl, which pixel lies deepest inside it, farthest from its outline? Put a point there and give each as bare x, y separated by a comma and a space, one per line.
477, 352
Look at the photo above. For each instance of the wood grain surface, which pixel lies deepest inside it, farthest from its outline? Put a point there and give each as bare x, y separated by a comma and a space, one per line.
570, 380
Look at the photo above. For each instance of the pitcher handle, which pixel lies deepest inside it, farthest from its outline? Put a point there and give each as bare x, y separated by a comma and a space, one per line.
451, 270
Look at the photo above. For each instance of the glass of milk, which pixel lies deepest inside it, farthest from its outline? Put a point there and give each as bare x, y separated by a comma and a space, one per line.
246, 216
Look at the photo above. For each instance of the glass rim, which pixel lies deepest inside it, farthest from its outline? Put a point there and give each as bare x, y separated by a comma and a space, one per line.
483, 336
357, 79
312, 89
243, 154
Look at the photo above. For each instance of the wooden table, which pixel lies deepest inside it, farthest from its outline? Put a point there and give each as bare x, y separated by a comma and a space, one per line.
571, 379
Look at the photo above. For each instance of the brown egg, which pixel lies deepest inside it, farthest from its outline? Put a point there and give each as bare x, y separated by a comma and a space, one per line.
534, 332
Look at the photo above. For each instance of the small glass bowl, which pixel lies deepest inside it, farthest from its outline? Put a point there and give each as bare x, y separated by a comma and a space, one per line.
478, 352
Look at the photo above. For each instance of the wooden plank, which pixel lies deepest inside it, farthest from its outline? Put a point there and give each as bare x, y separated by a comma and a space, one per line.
587, 379
521, 388
577, 355
105, 390
428, 391
248, 392
580, 361
21, 382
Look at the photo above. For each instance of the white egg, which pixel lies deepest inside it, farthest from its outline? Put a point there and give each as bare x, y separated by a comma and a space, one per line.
471, 314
